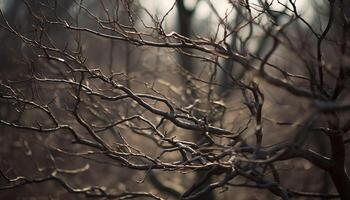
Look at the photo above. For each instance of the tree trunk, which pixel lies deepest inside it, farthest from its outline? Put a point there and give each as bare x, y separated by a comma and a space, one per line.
341, 181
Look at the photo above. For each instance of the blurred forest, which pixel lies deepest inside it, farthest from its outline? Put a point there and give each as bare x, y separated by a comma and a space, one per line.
174, 99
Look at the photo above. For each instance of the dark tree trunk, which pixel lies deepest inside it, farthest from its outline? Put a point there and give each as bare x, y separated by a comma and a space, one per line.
184, 23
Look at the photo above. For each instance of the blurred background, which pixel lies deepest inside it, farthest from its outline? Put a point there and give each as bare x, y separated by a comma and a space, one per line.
182, 76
